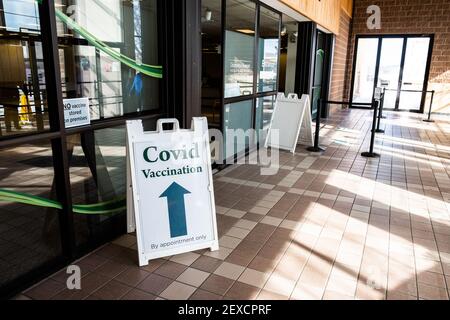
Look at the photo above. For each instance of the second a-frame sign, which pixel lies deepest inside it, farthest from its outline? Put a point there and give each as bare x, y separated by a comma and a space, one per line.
292, 118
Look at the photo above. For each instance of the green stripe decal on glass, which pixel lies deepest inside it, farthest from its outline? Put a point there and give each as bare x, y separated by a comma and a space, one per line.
149, 70
103, 208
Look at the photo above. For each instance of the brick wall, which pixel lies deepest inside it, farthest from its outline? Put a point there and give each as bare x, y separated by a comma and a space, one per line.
409, 17
337, 88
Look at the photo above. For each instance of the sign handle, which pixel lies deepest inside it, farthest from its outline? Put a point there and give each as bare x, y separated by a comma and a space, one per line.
176, 124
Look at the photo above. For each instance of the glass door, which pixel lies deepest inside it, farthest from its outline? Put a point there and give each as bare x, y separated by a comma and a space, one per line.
318, 73
414, 71
365, 68
389, 71
397, 63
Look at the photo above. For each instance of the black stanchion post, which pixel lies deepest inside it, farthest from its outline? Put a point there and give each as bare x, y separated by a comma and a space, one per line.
316, 147
431, 106
382, 104
380, 113
372, 154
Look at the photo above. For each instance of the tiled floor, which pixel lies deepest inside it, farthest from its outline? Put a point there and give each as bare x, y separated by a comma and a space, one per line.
330, 226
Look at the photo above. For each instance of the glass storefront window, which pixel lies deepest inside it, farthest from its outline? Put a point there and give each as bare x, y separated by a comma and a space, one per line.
365, 70
20, 15
238, 118
97, 162
109, 53
23, 106
239, 47
29, 228
212, 61
268, 48
264, 112
318, 74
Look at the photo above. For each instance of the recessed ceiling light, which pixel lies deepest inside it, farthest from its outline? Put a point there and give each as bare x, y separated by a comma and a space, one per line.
247, 31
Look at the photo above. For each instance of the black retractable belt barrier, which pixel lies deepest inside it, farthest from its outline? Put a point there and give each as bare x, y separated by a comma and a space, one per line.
431, 106
316, 147
372, 154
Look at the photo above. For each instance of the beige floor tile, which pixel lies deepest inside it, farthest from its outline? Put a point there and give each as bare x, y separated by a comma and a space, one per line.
229, 270
307, 292
185, 258
220, 254
237, 232
245, 224
235, 213
344, 286
431, 278
393, 295
259, 210
428, 292
193, 277
280, 284
177, 291
290, 224
254, 278
229, 242
367, 292
332, 295
271, 221
269, 295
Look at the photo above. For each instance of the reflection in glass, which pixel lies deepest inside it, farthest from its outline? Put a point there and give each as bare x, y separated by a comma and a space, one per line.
23, 106
237, 116
97, 174
127, 27
239, 47
269, 24
318, 73
211, 61
288, 55
29, 233
264, 112
390, 59
20, 15
365, 70
414, 73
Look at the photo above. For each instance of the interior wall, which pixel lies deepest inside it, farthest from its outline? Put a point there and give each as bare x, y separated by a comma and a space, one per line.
339, 68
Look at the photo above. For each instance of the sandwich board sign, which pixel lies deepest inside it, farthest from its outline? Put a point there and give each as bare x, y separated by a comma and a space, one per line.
292, 118
170, 196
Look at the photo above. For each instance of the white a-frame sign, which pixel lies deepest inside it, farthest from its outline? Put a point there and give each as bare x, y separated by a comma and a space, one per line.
170, 189
292, 118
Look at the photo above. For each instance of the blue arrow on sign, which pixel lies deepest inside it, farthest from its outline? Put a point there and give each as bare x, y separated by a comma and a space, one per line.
177, 210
